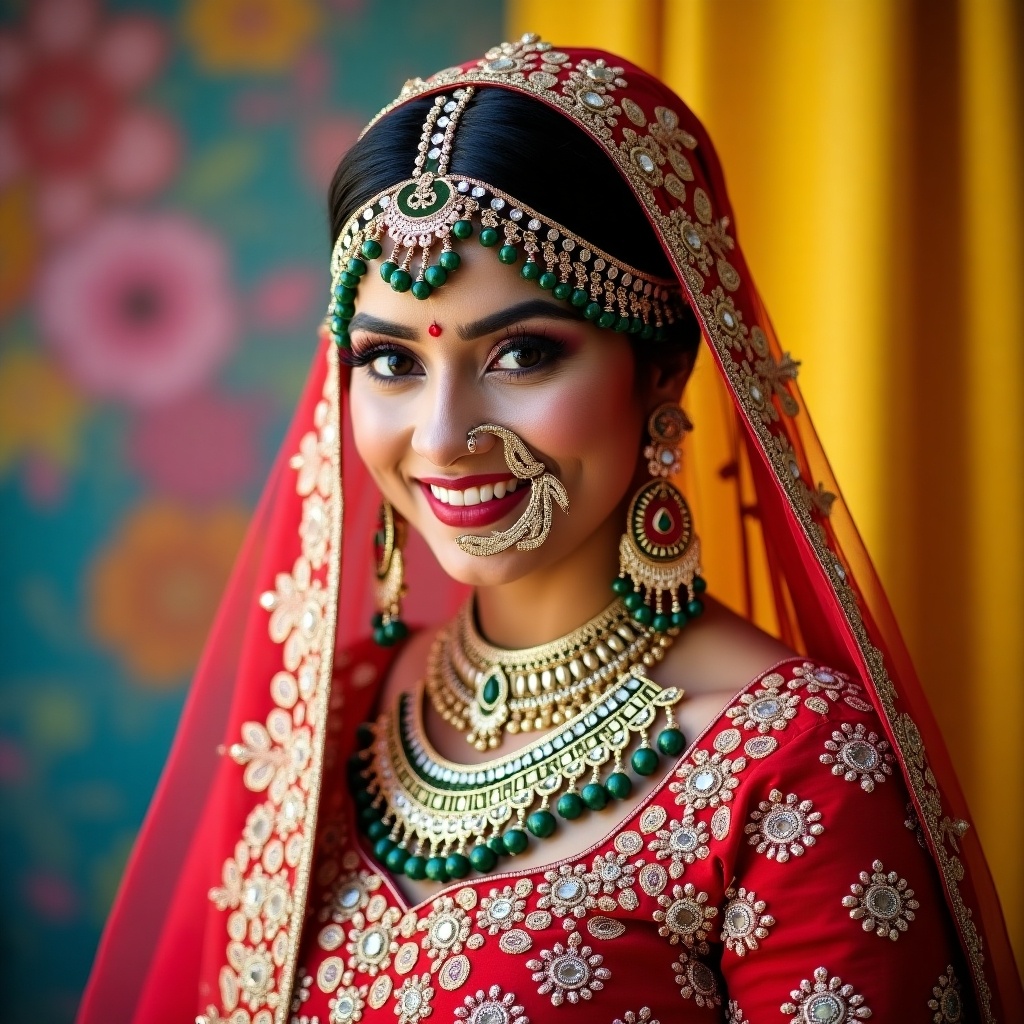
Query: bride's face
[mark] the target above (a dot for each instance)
(507, 353)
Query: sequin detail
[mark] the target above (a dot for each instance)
(858, 756)
(881, 902)
(744, 921)
(569, 972)
(782, 827)
(826, 1000)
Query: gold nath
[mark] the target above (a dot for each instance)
(489, 690)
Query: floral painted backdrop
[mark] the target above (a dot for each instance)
(163, 253)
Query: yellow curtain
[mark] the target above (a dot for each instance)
(874, 152)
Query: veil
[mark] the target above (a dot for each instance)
(210, 912)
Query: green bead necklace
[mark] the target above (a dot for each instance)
(431, 818)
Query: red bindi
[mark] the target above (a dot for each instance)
(434, 330)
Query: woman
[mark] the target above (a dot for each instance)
(528, 249)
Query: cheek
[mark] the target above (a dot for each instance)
(378, 433)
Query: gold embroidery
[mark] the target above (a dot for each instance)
(826, 998)
(629, 843)
(500, 910)
(696, 981)
(760, 746)
(735, 1014)
(947, 1003)
(454, 972)
(653, 879)
(348, 1005)
(721, 820)
(605, 928)
(727, 741)
(684, 917)
(572, 971)
(446, 929)
(568, 889)
(652, 819)
(783, 826)
(612, 874)
(406, 957)
(684, 841)
(881, 902)
(858, 756)
(538, 920)
(764, 710)
(349, 894)
(372, 944)
(744, 920)
(642, 1016)
(330, 974)
(412, 1000)
(515, 941)
(707, 782)
(492, 1008)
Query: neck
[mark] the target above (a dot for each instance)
(554, 600)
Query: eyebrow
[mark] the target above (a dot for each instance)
(478, 328)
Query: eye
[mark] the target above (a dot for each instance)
(393, 364)
(521, 357)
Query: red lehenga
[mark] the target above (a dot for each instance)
(809, 858)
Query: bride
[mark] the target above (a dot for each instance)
(589, 787)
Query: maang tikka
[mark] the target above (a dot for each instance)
(389, 571)
(531, 529)
(659, 577)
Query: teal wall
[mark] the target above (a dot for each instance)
(163, 254)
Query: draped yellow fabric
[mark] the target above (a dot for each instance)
(874, 153)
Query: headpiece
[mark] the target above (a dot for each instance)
(433, 209)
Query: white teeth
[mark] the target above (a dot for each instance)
(474, 495)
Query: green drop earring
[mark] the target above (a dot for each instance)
(659, 577)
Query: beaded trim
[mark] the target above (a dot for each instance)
(434, 208)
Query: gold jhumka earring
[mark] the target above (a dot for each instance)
(389, 570)
(531, 529)
(659, 577)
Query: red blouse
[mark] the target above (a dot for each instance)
(776, 874)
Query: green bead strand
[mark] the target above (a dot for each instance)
(591, 311)
(436, 869)
(387, 268)
(356, 266)
(562, 291)
(541, 824)
(400, 280)
(378, 830)
(530, 271)
(435, 276)
(699, 584)
(569, 806)
(619, 784)
(643, 615)
(482, 858)
(371, 249)
(548, 280)
(579, 298)
(463, 228)
(671, 742)
(644, 761)
(508, 254)
(420, 289)
(621, 586)
(595, 796)
(695, 608)
(489, 237)
(457, 865)
(661, 623)
(348, 280)
(622, 324)
(606, 319)
(515, 841)
(382, 848)
(396, 860)
(450, 260)
(497, 846)
(416, 868)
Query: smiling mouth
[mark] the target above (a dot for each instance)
(480, 501)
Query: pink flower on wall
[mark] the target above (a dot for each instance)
(201, 449)
(68, 122)
(140, 307)
(286, 298)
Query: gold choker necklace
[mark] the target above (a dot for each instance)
(489, 690)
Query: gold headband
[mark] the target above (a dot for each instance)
(434, 209)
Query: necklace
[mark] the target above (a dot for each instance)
(484, 690)
(433, 818)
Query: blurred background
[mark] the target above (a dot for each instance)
(163, 258)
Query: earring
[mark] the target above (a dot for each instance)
(389, 564)
(659, 577)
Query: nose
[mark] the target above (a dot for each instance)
(443, 422)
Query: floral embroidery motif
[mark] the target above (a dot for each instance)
(947, 1003)
(744, 921)
(765, 710)
(347, 1006)
(696, 981)
(412, 1000)
(492, 1008)
(818, 679)
(500, 911)
(684, 841)
(709, 781)
(858, 755)
(642, 1016)
(612, 873)
(372, 944)
(827, 1000)
(882, 902)
(572, 971)
(684, 917)
(568, 890)
(351, 893)
(783, 827)
(735, 1014)
(447, 928)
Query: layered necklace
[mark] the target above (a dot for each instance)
(432, 818)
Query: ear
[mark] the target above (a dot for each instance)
(664, 376)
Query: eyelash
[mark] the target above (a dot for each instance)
(551, 349)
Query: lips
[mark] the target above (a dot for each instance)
(473, 516)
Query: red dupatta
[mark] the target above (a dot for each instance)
(210, 913)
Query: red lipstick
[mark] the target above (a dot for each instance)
(473, 517)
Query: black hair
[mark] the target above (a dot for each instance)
(532, 152)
